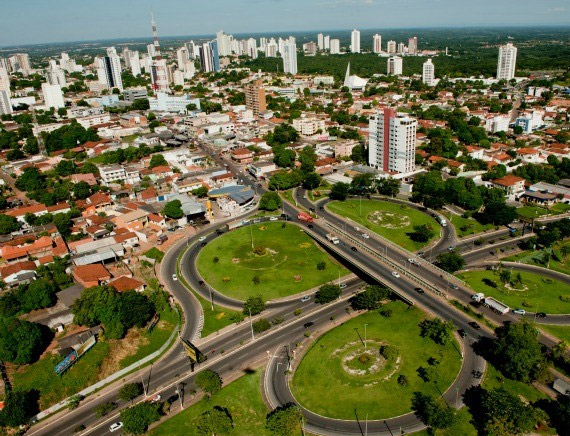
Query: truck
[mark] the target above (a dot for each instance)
(496, 305)
(234, 225)
(442, 221)
(478, 297)
(332, 238)
(303, 216)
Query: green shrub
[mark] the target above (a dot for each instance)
(261, 325)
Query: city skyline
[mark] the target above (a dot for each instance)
(237, 18)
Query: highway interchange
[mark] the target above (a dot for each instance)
(233, 350)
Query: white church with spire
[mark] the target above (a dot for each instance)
(354, 83)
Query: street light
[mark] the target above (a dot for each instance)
(365, 335)
(251, 325)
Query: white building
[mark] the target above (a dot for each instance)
(413, 45)
(497, 123)
(252, 48)
(5, 103)
(54, 74)
(327, 42)
(395, 65)
(164, 102)
(181, 57)
(4, 80)
(507, 62)
(117, 173)
(377, 44)
(355, 41)
(309, 126)
(290, 57)
(335, 46)
(321, 41)
(428, 73)
(391, 47)
(113, 70)
(392, 140)
(53, 97)
(135, 63)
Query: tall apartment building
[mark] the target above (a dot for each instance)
(413, 45)
(252, 48)
(271, 49)
(428, 73)
(53, 97)
(507, 62)
(209, 57)
(224, 43)
(54, 74)
(355, 41)
(113, 70)
(181, 57)
(5, 103)
(395, 65)
(20, 62)
(4, 80)
(135, 63)
(327, 42)
(290, 57)
(377, 44)
(321, 41)
(255, 97)
(335, 46)
(391, 47)
(310, 48)
(392, 140)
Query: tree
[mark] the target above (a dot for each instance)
(565, 251)
(370, 298)
(327, 293)
(136, 419)
(285, 180)
(21, 342)
(517, 353)
(312, 180)
(209, 381)
(39, 294)
(65, 168)
(214, 422)
(136, 309)
(261, 325)
(104, 408)
(284, 421)
(8, 224)
(357, 154)
(270, 201)
(432, 413)
(450, 261)
(130, 391)
(81, 190)
(422, 233)
(200, 192)
(388, 186)
(19, 407)
(157, 160)
(362, 184)
(437, 330)
(31, 179)
(307, 158)
(505, 276)
(253, 305)
(339, 191)
(173, 209)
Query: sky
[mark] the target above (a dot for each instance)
(44, 21)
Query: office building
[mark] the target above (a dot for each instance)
(335, 46)
(255, 97)
(113, 69)
(321, 41)
(20, 62)
(507, 62)
(355, 41)
(53, 97)
(428, 73)
(391, 47)
(413, 46)
(395, 65)
(209, 57)
(5, 103)
(392, 140)
(377, 44)
(290, 56)
(54, 74)
(327, 42)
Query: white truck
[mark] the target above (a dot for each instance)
(497, 306)
(478, 297)
(332, 238)
(442, 221)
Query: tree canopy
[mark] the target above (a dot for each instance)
(209, 381)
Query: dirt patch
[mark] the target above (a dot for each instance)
(389, 220)
(236, 260)
(297, 278)
(119, 349)
(305, 245)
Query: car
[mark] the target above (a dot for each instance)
(305, 298)
(321, 208)
(312, 209)
(475, 325)
(156, 398)
(421, 253)
(310, 226)
(173, 398)
(395, 274)
(519, 312)
(219, 232)
(342, 285)
(354, 248)
(451, 248)
(304, 197)
(462, 333)
(419, 290)
(203, 244)
(174, 277)
(201, 283)
(256, 220)
(246, 221)
(541, 315)
(172, 229)
(357, 228)
(115, 426)
(453, 286)
(273, 218)
(365, 235)
(308, 324)
(202, 238)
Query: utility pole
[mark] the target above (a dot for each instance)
(251, 326)
(365, 335)
(211, 296)
(251, 233)
(142, 380)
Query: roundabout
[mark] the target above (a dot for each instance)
(377, 379)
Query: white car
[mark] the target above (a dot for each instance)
(365, 235)
(342, 285)
(245, 221)
(357, 228)
(305, 298)
(156, 399)
(395, 274)
(116, 426)
(202, 238)
(519, 312)
(413, 261)
(174, 277)
(273, 218)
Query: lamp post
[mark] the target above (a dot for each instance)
(365, 335)
(251, 325)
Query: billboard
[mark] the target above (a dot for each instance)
(191, 351)
(69, 360)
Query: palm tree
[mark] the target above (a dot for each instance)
(518, 278)
(505, 276)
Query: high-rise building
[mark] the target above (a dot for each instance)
(392, 141)
(413, 45)
(20, 62)
(290, 56)
(321, 41)
(255, 97)
(401, 48)
(377, 44)
(126, 55)
(310, 48)
(507, 62)
(158, 72)
(224, 43)
(4, 80)
(428, 73)
(335, 46)
(53, 97)
(271, 49)
(54, 74)
(192, 49)
(113, 70)
(181, 57)
(150, 50)
(327, 42)
(209, 57)
(5, 103)
(391, 47)
(135, 63)
(67, 64)
(252, 48)
(395, 65)
(355, 41)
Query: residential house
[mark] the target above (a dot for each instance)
(91, 275)
(512, 185)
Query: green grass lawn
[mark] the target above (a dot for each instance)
(535, 257)
(391, 220)
(376, 393)
(542, 291)
(243, 400)
(217, 319)
(562, 332)
(462, 426)
(287, 195)
(155, 253)
(288, 265)
(494, 379)
(467, 226)
(312, 195)
(41, 375)
(560, 207)
(533, 211)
